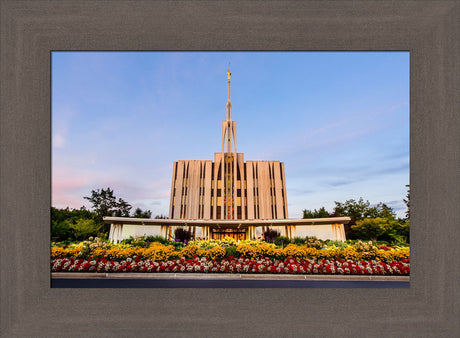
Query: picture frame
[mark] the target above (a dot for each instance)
(30, 30)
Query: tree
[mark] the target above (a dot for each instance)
(320, 213)
(83, 228)
(122, 209)
(382, 229)
(360, 210)
(381, 210)
(138, 213)
(60, 231)
(399, 231)
(355, 210)
(369, 228)
(105, 204)
(60, 215)
(61, 219)
(407, 201)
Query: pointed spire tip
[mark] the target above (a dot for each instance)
(229, 74)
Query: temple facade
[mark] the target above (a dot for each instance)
(228, 197)
(228, 188)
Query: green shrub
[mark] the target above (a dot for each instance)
(176, 244)
(83, 228)
(299, 240)
(60, 231)
(159, 239)
(382, 229)
(282, 241)
(399, 232)
(127, 240)
(370, 228)
(231, 251)
(338, 244)
(135, 241)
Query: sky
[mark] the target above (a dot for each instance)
(338, 120)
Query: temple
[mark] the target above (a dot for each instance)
(228, 197)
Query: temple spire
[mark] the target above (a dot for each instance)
(229, 104)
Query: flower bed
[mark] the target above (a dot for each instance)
(233, 265)
(219, 256)
(160, 252)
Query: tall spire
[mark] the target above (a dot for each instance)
(229, 104)
(228, 164)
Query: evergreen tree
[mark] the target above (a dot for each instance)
(138, 213)
(320, 213)
(407, 202)
(105, 204)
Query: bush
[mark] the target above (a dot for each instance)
(399, 232)
(299, 240)
(60, 231)
(135, 241)
(157, 238)
(360, 246)
(282, 241)
(338, 244)
(178, 246)
(84, 228)
(370, 228)
(182, 235)
(270, 234)
(314, 242)
(382, 229)
(231, 251)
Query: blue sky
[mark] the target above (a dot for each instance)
(338, 120)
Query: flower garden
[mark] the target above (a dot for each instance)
(302, 256)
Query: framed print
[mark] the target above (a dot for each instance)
(31, 30)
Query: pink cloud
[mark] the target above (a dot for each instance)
(66, 185)
(69, 185)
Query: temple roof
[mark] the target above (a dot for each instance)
(219, 223)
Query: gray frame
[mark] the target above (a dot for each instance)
(30, 29)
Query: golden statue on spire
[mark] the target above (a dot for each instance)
(228, 72)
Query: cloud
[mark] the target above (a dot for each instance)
(71, 183)
(58, 141)
(67, 184)
(325, 137)
(341, 182)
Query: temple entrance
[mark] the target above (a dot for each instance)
(238, 234)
